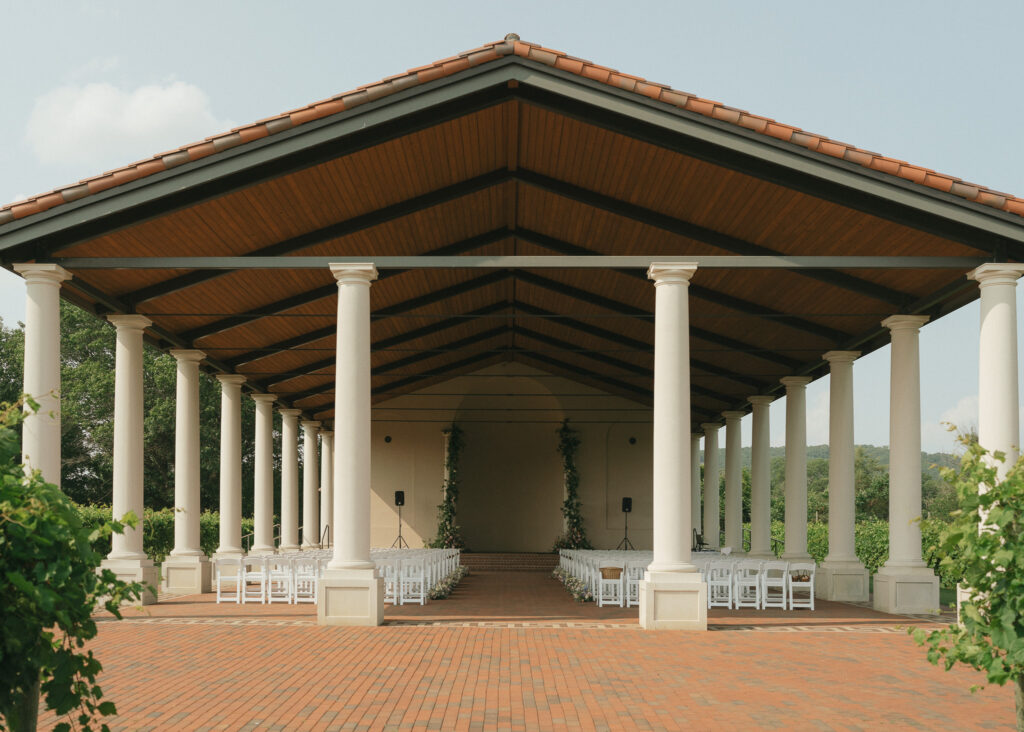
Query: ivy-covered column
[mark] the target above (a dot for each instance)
(574, 536)
(449, 535)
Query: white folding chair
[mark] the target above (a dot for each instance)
(609, 583)
(279, 580)
(634, 573)
(720, 584)
(388, 572)
(412, 581)
(254, 580)
(228, 570)
(304, 579)
(747, 584)
(774, 575)
(797, 583)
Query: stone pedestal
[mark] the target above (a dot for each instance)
(186, 575)
(841, 582)
(350, 597)
(673, 601)
(911, 591)
(136, 570)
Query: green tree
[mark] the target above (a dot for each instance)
(988, 533)
(871, 486)
(817, 490)
(49, 587)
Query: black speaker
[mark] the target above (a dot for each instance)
(627, 504)
(399, 498)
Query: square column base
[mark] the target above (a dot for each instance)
(136, 570)
(673, 601)
(906, 591)
(350, 597)
(188, 575)
(841, 582)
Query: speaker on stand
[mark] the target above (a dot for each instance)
(400, 543)
(627, 508)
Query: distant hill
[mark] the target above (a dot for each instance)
(930, 461)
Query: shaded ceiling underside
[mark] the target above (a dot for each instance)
(515, 171)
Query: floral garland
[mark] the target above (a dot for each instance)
(575, 536)
(444, 586)
(449, 535)
(573, 585)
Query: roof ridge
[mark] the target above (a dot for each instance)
(511, 45)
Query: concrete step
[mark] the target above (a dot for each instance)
(509, 561)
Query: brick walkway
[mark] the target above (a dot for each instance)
(513, 651)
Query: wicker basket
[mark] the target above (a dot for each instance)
(611, 572)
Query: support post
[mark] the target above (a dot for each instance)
(695, 507)
(733, 481)
(905, 584)
(672, 594)
(326, 487)
(350, 592)
(127, 559)
(841, 576)
(263, 476)
(187, 569)
(230, 465)
(310, 494)
(760, 480)
(290, 479)
(796, 468)
(40, 432)
(712, 500)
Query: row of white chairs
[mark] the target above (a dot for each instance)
(291, 578)
(752, 583)
(625, 569)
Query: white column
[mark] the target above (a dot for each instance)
(760, 480)
(672, 595)
(310, 494)
(733, 481)
(127, 558)
(187, 569)
(905, 584)
(998, 386)
(230, 465)
(263, 476)
(290, 479)
(327, 486)
(842, 576)
(695, 507)
(712, 502)
(40, 432)
(796, 467)
(350, 593)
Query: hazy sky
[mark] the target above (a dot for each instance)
(89, 86)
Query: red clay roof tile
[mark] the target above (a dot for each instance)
(489, 52)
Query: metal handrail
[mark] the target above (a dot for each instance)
(326, 532)
(252, 535)
(777, 545)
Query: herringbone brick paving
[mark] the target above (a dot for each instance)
(493, 657)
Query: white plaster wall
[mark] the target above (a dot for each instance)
(511, 487)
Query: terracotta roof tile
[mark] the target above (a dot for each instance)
(512, 44)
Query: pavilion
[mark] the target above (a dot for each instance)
(645, 262)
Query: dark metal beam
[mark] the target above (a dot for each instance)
(411, 304)
(624, 309)
(320, 293)
(578, 370)
(696, 291)
(330, 232)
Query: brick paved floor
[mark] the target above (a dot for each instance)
(189, 664)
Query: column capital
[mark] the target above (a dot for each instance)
(733, 414)
(761, 400)
(311, 424)
(710, 427)
(905, 322)
(329, 434)
(264, 398)
(231, 379)
(350, 273)
(996, 273)
(42, 272)
(289, 412)
(671, 273)
(131, 322)
(795, 382)
(187, 354)
(841, 356)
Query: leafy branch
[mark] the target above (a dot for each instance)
(449, 535)
(575, 536)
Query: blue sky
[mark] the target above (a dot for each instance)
(91, 85)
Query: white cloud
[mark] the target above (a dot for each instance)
(95, 67)
(935, 436)
(101, 125)
(17, 198)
